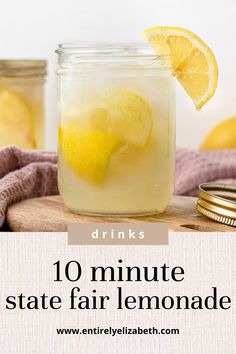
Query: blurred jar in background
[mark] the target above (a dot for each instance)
(22, 103)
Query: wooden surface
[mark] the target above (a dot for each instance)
(50, 214)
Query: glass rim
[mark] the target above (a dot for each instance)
(116, 50)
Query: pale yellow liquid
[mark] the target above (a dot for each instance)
(136, 183)
(31, 90)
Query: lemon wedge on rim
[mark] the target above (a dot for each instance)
(192, 61)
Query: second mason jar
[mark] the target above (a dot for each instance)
(117, 130)
(22, 103)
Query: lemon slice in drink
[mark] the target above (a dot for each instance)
(87, 152)
(192, 61)
(16, 121)
(129, 117)
(90, 141)
(124, 114)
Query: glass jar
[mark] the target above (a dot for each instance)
(22, 103)
(116, 131)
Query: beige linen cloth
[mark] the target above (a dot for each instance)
(25, 174)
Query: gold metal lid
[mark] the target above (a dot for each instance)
(23, 68)
(218, 202)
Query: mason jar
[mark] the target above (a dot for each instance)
(22, 103)
(116, 131)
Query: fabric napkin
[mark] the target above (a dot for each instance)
(194, 167)
(25, 174)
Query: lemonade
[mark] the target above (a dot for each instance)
(117, 119)
(22, 103)
(116, 132)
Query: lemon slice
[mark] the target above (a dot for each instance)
(87, 152)
(16, 121)
(124, 114)
(192, 61)
(128, 117)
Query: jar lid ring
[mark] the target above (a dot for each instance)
(217, 201)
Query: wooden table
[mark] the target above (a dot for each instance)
(50, 214)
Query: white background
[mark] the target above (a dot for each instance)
(32, 29)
